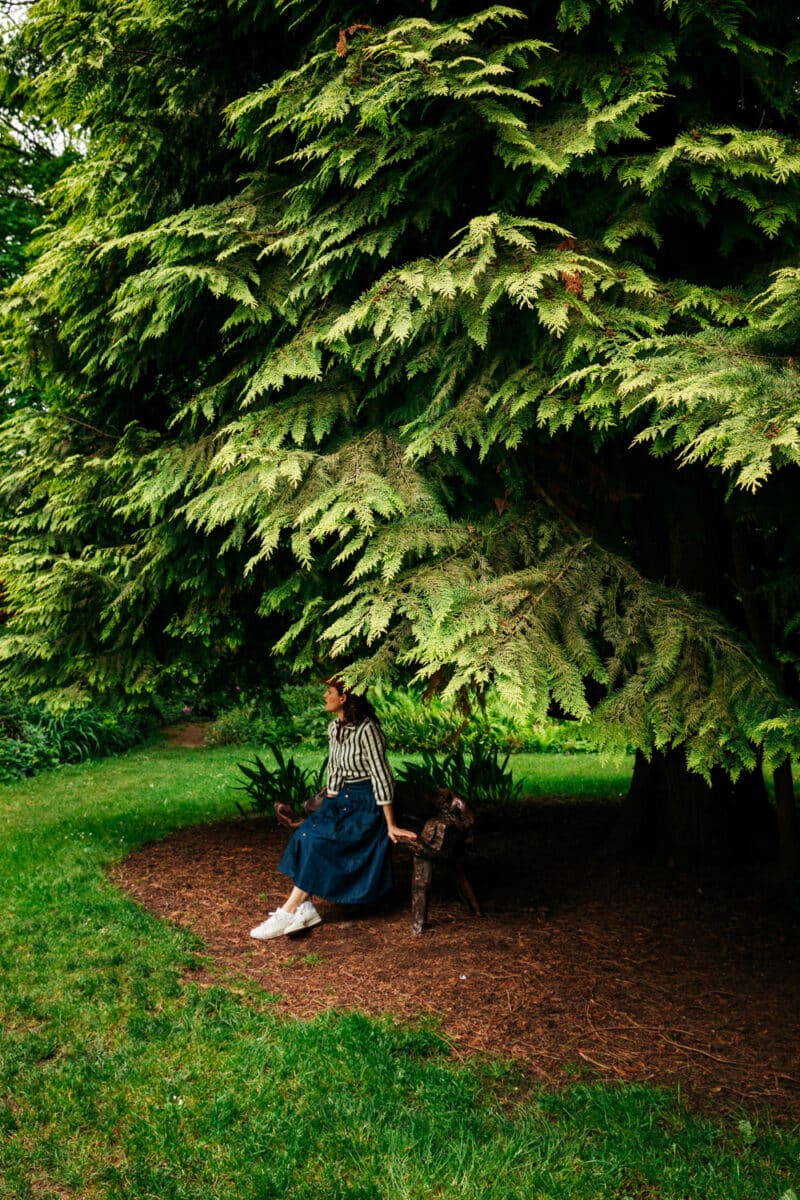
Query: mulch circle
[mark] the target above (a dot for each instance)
(578, 966)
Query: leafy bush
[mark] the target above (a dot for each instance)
(477, 773)
(285, 782)
(81, 733)
(415, 725)
(302, 712)
(236, 727)
(295, 716)
(292, 717)
(33, 738)
(20, 757)
(12, 717)
(549, 737)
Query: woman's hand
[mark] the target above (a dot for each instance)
(396, 834)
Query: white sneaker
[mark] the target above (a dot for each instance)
(305, 917)
(276, 924)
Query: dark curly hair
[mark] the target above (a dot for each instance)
(356, 708)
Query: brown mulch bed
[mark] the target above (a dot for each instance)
(629, 972)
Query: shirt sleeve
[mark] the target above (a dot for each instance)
(373, 745)
(334, 762)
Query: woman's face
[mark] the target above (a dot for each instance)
(334, 700)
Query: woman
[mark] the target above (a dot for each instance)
(341, 852)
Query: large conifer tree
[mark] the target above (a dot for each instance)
(454, 341)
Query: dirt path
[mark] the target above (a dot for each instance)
(187, 735)
(630, 973)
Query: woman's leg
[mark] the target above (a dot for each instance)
(294, 900)
(287, 918)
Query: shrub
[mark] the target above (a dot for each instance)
(12, 717)
(294, 716)
(548, 737)
(286, 782)
(34, 738)
(233, 728)
(20, 757)
(300, 708)
(415, 725)
(81, 733)
(477, 774)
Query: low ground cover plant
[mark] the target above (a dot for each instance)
(286, 782)
(416, 725)
(478, 773)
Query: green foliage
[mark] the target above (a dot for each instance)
(33, 155)
(285, 782)
(33, 738)
(236, 726)
(26, 171)
(300, 717)
(412, 724)
(476, 774)
(358, 340)
(80, 734)
(292, 715)
(26, 755)
(295, 718)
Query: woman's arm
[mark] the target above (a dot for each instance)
(396, 834)
(374, 746)
(373, 749)
(334, 781)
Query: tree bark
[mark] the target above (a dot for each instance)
(786, 810)
(758, 627)
(674, 814)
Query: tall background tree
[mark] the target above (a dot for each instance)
(434, 340)
(33, 153)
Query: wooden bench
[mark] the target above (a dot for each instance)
(442, 820)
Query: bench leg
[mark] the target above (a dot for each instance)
(465, 890)
(420, 891)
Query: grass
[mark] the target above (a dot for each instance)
(568, 776)
(121, 1078)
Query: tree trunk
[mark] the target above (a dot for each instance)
(786, 810)
(758, 626)
(675, 815)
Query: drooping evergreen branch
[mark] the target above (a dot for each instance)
(339, 309)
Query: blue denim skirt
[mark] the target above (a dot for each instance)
(342, 851)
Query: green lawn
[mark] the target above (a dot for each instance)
(122, 1079)
(571, 775)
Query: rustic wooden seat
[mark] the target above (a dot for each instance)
(447, 822)
(444, 820)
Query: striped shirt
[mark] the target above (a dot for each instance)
(359, 752)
